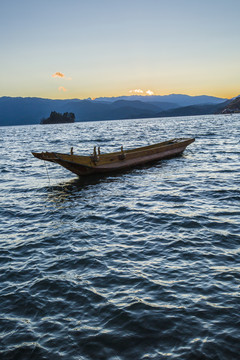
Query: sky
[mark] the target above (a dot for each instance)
(62, 49)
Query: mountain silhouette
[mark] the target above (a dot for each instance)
(232, 107)
(24, 111)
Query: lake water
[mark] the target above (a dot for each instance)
(142, 264)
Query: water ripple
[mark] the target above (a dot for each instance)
(143, 264)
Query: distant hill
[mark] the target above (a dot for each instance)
(173, 100)
(19, 111)
(194, 110)
(232, 107)
(24, 111)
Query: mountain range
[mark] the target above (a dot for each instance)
(233, 107)
(28, 110)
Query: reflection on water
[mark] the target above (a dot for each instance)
(73, 187)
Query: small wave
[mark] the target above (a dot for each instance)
(141, 264)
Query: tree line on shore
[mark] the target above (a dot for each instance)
(58, 118)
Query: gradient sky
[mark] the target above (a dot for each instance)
(89, 48)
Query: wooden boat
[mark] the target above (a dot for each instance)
(98, 163)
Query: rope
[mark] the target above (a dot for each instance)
(47, 173)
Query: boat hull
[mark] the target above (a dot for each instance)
(83, 165)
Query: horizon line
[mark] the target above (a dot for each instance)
(118, 96)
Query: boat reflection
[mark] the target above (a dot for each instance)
(81, 187)
(91, 185)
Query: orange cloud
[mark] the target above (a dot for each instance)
(58, 74)
(62, 88)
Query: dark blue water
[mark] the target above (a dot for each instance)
(138, 265)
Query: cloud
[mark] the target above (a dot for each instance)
(58, 74)
(62, 88)
(140, 91)
(136, 91)
(149, 92)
